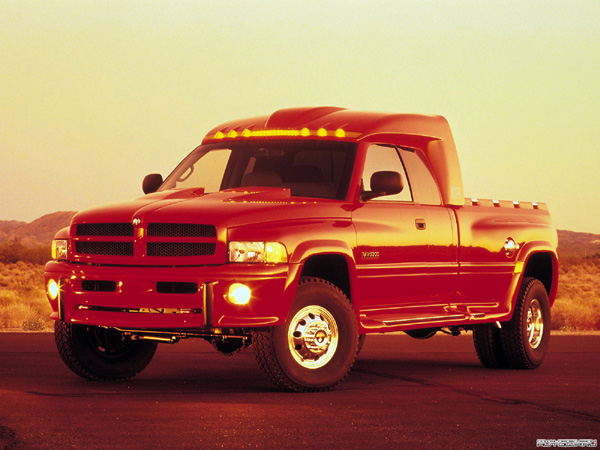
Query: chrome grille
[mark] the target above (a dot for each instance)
(181, 230)
(180, 249)
(150, 243)
(105, 248)
(104, 229)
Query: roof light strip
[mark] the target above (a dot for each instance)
(304, 132)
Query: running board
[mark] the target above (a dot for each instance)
(432, 319)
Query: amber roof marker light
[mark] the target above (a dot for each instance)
(339, 133)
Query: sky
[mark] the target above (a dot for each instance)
(94, 95)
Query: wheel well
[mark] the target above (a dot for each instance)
(539, 265)
(333, 268)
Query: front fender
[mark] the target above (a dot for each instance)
(62, 233)
(320, 247)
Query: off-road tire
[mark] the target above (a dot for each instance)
(489, 346)
(526, 349)
(86, 351)
(279, 350)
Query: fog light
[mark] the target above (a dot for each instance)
(52, 289)
(239, 294)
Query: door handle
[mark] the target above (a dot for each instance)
(421, 224)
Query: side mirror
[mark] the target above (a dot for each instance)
(152, 182)
(384, 183)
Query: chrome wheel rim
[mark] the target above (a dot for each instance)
(313, 337)
(535, 324)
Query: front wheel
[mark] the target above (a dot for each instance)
(97, 353)
(315, 348)
(525, 337)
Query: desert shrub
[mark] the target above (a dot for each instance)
(8, 298)
(577, 305)
(14, 251)
(23, 302)
(13, 315)
(35, 322)
(569, 315)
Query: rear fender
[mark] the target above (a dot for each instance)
(536, 259)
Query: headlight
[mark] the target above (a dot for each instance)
(257, 252)
(60, 249)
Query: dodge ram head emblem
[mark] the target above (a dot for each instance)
(136, 221)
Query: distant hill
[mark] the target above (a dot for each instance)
(7, 226)
(42, 230)
(571, 243)
(39, 232)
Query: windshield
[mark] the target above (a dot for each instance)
(307, 168)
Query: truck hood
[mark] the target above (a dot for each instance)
(229, 208)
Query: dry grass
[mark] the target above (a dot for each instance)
(23, 301)
(577, 305)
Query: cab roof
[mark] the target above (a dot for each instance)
(332, 122)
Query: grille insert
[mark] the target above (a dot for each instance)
(105, 248)
(167, 287)
(180, 249)
(104, 229)
(181, 230)
(99, 285)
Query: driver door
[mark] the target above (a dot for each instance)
(392, 249)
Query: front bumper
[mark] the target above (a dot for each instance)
(132, 297)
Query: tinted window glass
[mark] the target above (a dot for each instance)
(424, 187)
(308, 168)
(385, 158)
(209, 174)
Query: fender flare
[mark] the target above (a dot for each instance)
(523, 268)
(321, 247)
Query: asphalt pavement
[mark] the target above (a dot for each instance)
(402, 393)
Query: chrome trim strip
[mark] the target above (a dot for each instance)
(421, 319)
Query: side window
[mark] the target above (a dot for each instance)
(380, 158)
(425, 189)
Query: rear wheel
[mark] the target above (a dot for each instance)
(489, 347)
(526, 336)
(315, 348)
(361, 341)
(97, 353)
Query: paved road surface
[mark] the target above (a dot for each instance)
(402, 393)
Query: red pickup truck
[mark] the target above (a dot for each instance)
(299, 233)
